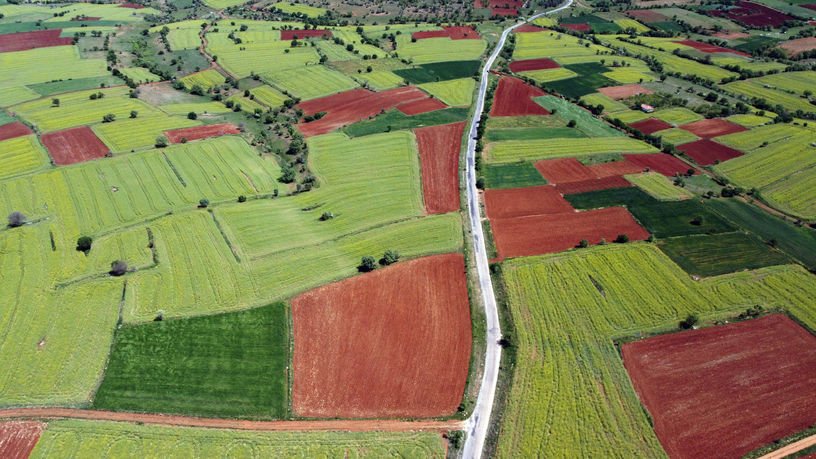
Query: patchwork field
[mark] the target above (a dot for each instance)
(18, 438)
(513, 150)
(439, 149)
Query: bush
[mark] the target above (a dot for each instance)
(192, 116)
(571, 124)
(84, 244)
(242, 198)
(389, 257)
(622, 239)
(203, 203)
(118, 268)
(161, 141)
(583, 244)
(326, 216)
(16, 219)
(367, 264)
(689, 322)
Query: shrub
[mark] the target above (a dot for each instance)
(689, 322)
(242, 198)
(84, 244)
(571, 124)
(583, 244)
(326, 216)
(203, 203)
(16, 219)
(389, 257)
(192, 116)
(134, 114)
(367, 264)
(161, 141)
(118, 268)
(622, 239)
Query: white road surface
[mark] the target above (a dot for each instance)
(479, 421)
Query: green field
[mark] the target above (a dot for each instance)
(127, 134)
(553, 45)
(262, 52)
(513, 175)
(673, 63)
(659, 186)
(585, 122)
(676, 136)
(121, 440)
(310, 82)
(186, 38)
(454, 93)
(139, 75)
(221, 4)
(225, 366)
(757, 88)
(549, 75)
(56, 87)
(298, 8)
(440, 71)
(21, 155)
(183, 108)
(439, 49)
(206, 79)
(591, 76)
(268, 96)
(717, 254)
(394, 120)
(567, 366)
(514, 150)
(498, 135)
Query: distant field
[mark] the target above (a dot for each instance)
(126, 134)
(21, 155)
(713, 255)
(454, 93)
(310, 82)
(140, 75)
(759, 89)
(659, 186)
(514, 150)
(206, 79)
(512, 175)
(395, 120)
(298, 8)
(674, 63)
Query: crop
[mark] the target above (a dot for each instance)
(552, 45)
(439, 49)
(756, 88)
(310, 82)
(512, 175)
(140, 75)
(269, 55)
(186, 38)
(626, 23)
(21, 155)
(673, 63)
(585, 122)
(454, 93)
(298, 8)
(659, 186)
(677, 115)
(514, 150)
(716, 254)
(769, 164)
(127, 134)
(205, 79)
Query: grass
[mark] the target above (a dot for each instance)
(21, 155)
(755, 88)
(224, 366)
(514, 175)
(454, 93)
(310, 82)
(749, 120)
(610, 105)
(659, 187)
(550, 75)
(430, 50)
(98, 438)
(794, 196)
(56, 87)
(626, 24)
(514, 150)
(186, 38)
(626, 75)
(268, 96)
(568, 366)
(140, 75)
(585, 122)
(261, 57)
(673, 63)
(440, 71)
(677, 115)
(206, 79)
(553, 45)
(183, 108)
(717, 254)
(676, 136)
(393, 120)
(498, 135)
(127, 134)
(301, 9)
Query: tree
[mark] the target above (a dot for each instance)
(134, 114)
(689, 322)
(203, 203)
(367, 264)
(192, 116)
(55, 102)
(118, 268)
(622, 239)
(242, 198)
(84, 244)
(697, 221)
(326, 216)
(571, 124)
(583, 244)
(109, 118)
(16, 219)
(389, 257)
(161, 141)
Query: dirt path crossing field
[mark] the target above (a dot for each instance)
(786, 451)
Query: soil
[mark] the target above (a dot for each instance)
(454, 33)
(533, 64)
(585, 186)
(580, 27)
(421, 106)
(624, 91)
(800, 45)
(706, 152)
(520, 202)
(18, 438)
(514, 97)
(528, 28)
(288, 35)
(392, 343)
(21, 41)
(201, 132)
(439, 148)
(716, 127)
(562, 170)
(614, 168)
(13, 130)
(721, 392)
(74, 145)
(731, 35)
(709, 48)
(662, 163)
(647, 16)
(650, 125)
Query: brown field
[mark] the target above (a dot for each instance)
(706, 129)
(514, 97)
(201, 132)
(439, 148)
(723, 391)
(707, 152)
(624, 91)
(22, 41)
(663, 163)
(800, 45)
(650, 125)
(562, 170)
(74, 145)
(12, 130)
(392, 343)
(647, 16)
(18, 438)
(519, 202)
(583, 186)
(417, 107)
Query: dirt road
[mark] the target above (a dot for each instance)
(792, 448)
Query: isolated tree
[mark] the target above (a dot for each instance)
(192, 116)
(203, 203)
(583, 244)
(134, 114)
(118, 268)
(571, 124)
(109, 118)
(16, 219)
(84, 244)
(326, 216)
(161, 141)
(689, 322)
(622, 239)
(367, 264)
(55, 102)
(389, 257)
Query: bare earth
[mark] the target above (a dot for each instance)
(786, 451)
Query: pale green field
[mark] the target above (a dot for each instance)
(140, 75)
(677, 136)
(221, 4)
(268, 96)
(677, 115)
(659, 186)
(15, 95)
(795, 195)
(182, 109)
(553, 45)
(269, 55)
(748, 120)
(180, 25)
(749, 140)
(674, 63)
(547, 75)
(206, 79)
(454, 93)
(298, 8)
(310, 82)
(630, 116)
(107, 12)
(610, 105)
(747, 64)
(72, 438)
(439, 49)
(756, 87)
(21, 155)
(184, 39)
(128, 134)
(378, 80)
(516, 150)
(335, 52)
(626, 23)
(545, 22)
(628, 75)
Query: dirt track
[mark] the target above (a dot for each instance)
(786, 451)
(271, 426)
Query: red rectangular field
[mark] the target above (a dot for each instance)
(663, 163)
(201, 132)
(300, 34)
(580, 27)
(721, 392)
(520, 202)
(539, 234)
(533, 64)
(647, 15)
(562, 170)
(439, 148)
(420, 106)
(706, 152)
(12, 130)
(74, 145)
(650, 125)
(709, 48)
(624, 91)
(21, 41)
(753, 14)
(452, 32)
(529, 28)
(391, 343)
(18, 438)
(716, 127)
(584, 186)
(800, 45)
(514, 97)
(614, 168)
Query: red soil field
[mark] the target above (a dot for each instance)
(22, 41)
(539, 234)
(528, 28)
(614, 168)
(571, 176)
(723, 391)
(453, 32)
(731, 35)
(352, 106)
(392, 343)
(134, 6)
(709, 48)
(201, 132)
(439, 148)
(581, 27)
(12, 130)
(624, 91)
(584, 186)
(650, 125)
(561, 170)
(533, 64)
(311, 33)
(514, 97)
(753, 14)
(417, 107)
(706, 152)
(647, 15)
(662, 163)
(74, 145)
(520, 202)
(18, 438)
(800, 45)
(716, 127)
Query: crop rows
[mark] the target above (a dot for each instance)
(659, 186)
(21, 155)
(127, 134)
(672, 63)
(310, 82)
(514, 150)
(454, 93)
(439, 49)
(756, 88)
(205, 79)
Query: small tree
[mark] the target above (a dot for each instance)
(583, 244)
(55, 102)
(689, 322)
(16, 219)
(118, 268)
(203, 203)
(389, 257)
(192, 116)
(697, 221)
(242, 198)
(571, 124)
(367, 264)
(622, 239)
(84, 244)
(134, 114)
(161, 141)
(109, 118)
(326, 216)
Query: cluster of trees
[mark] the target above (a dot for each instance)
(369, 263)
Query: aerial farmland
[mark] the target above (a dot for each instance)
(318, 228)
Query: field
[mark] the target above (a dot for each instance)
(713, 255)
(512, 175)
(686, 380)
(756, 88)
(673, 63)
(439, 49)
(623, 91)
(677, 115)
(659, 187)
(297, 8)
(310, 82)
(201, 132)
(74, 145)
(710, 128)
(342, 369)
(515, 150)
(520, 202)
(439, 148)
(206, 79)
(268, 96)
(455, 93)
(186, 38)
(533, 64)
(29, 40)
(10, 129)
(128, 134)
(140, 75)
(418, 107)
(18, 438)
(794, 47)
(650, 125)
(224, 366)
(567, 366)
(513, 97)
(584, 121)
(21, 155)
(71, 438)
(667, 165)
(554, 46)
(707, 152)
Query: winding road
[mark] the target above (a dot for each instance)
(479, 421)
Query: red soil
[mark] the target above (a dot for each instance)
(647, 15)
(18, 438)
(570, 176)
(520, 202)
(453, 32)
(800, 45)
(562, 170)
(810, 6)
(134, 6)
(12, 130)
(753, 14)
(201, 132)
(300, 34)
(731, 35)
(439, 148)
(706, 152)
(514, 97)
(716, 127)
(29, 40)
(74, 145)
(662, 163)
(539, 234)
(528, 28)
(709, 48)
(504, 11)
(352, 106)
(533, 64)
(417, 107)
(584, 186)
(650, 125)
(723, 391)
(392, 343)
(581, 27)
(614, 168)
(624, 91)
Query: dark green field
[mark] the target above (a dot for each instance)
(661, 218)
(440, 71)
(495, 135)
(513, 175)
(712, 255)
(228, 365)
(754, 43)
(56, 87)
(667, 26)
(14, 27)
(395, 120)
(589, 79)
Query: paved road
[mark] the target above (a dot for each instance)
(479, 421)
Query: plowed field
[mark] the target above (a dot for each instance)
(421, 106)
(584, 186)
(624, 91)
(721, 392)
(800, 45)
(706, 152)
(29, 40)
(18, 438)
(454, 33)
(439, 148)
(520, 202)
(533, 64)
(562, 170)
(392, 343)
(665, 164)
(709, 48)
(74, 145)
(571, 176)
(514, 97)
(707, 129)
(201, 132)
(650, 125)
(12, 130)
